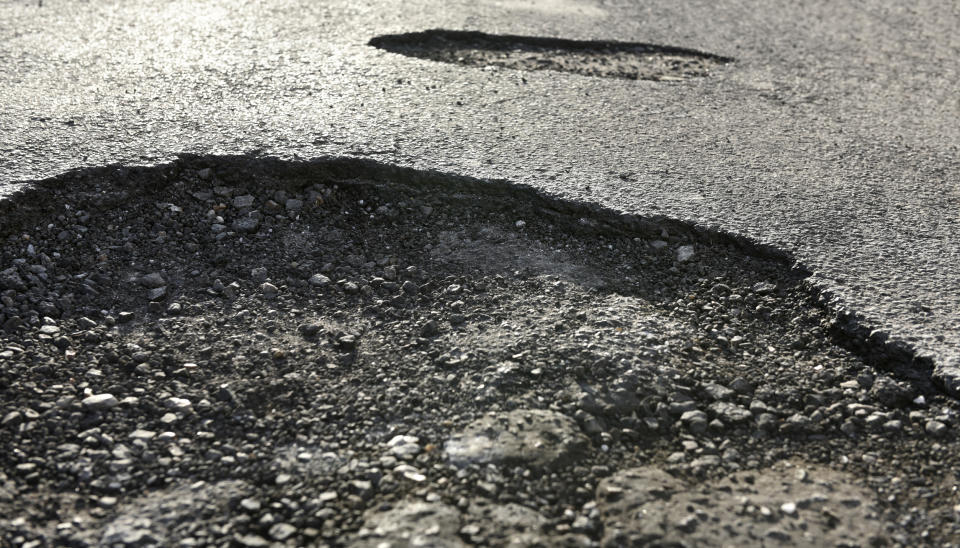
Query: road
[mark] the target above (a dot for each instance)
(833, 136)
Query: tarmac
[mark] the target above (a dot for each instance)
(833, 136)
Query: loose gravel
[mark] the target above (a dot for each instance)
(624, 60)
(241, 352)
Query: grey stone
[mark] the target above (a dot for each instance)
(258, 274)
(248, 224)
(100, 402)
(730, 413)
(319, 280)
(10, 279)
(647, 506)
(157, 293)
(695, 420)
(411, 523)
(530, 437)
(12, 419)
(269, 290)
(282, 531)
(936, 428)
(889, 393)
(241, 202)
(718, 392)
(153, 280)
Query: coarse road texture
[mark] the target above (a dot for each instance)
(834, 134)
(237, 352)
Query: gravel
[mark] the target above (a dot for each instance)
(363, 356)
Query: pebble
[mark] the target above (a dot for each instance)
(153, 280)
(12, 419)
(259, 274)
(282, 531)
(179, 404)
(685, 253)
(241, 202)
(157, 293)
(936, 428)
(404, 446)
(100, 402)
(319, 280)
(269, 290)
(252, 541)
(696, 421)
(247, 224)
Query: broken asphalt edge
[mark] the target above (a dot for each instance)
(851, 329)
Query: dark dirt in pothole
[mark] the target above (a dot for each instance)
(230, 351)
(632, 61)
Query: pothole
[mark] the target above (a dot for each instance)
(607, 59)
(347, 352)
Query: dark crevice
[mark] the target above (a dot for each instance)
(600, 58)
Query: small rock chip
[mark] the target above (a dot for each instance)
(430, 329)
(251, 541)
(100, 402)
(259, 274)
(936, 428)
(157, 293)
(319, 280)
(250, 505)
(248, 224)
(269, 290)
(685, 253)
(153, 280)
(241, 202)
(282, 531)
(12, 419)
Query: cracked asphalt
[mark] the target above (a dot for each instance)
(833, 135)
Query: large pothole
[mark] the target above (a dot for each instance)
(345, 352)
(608, 59)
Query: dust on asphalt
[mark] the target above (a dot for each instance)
(256, 353)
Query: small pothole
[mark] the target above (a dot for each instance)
(352, 340)
(607, 59)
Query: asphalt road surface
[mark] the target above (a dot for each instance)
(833, 136)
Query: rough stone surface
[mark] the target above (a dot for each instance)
(647, 506)
(411, 523)
(544, 358)
(526, 437)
